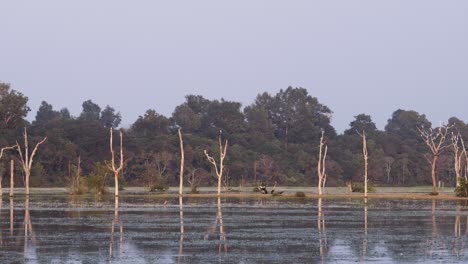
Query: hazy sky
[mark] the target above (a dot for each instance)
(356, 57)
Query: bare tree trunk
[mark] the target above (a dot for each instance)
(321, 165)
(466, 159)
(113, 167)
(1, 155)
(12, 176)
(222, 155)
(433, 173)
(27, 159)
(458, 155)
(349, 185)
(182, 161)
(365, 154)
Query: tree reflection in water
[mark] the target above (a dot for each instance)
(181, 216)
(116, 222)
(459, 239)
(364, 241)
(219, 223)
(12, 215)
(29, 234)
(323, 243)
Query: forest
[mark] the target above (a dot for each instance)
(275, 139)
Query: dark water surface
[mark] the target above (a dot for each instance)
(60, 229)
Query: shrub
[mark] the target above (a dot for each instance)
(359, 188)
(462, 189)
(159, 187)
(300, 194)
(97, 179)
(194, 189)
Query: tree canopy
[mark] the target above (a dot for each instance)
(276, 138)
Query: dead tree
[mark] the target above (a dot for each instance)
(1, 155)
(321, 164)
(388, 167)
(458, 155)
(74, 176)
(115, 169)
(182, 160)
(12, 176)
(27, 159)
(466, 160)
(222, 154)
(366, 157)
(435, 140)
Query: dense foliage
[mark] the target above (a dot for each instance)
(274, 139)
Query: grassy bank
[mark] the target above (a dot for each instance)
(419, 192)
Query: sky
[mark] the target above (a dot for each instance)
(355, 56)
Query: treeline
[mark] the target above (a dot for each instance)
(274, 139)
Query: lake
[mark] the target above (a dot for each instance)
(148, 229)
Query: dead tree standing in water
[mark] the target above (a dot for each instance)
(1, 155)
(321, 165)
(182, 160)
(113, 167)
(27, 159)
(435, 140)
(222, 155)
(458, 155)
(366, 157)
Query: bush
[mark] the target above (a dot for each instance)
(75, 183)
(462, 189)
(300, 194)
(359, 188)
(194, 189)
(97, 179)
(159, 187)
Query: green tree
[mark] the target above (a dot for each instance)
(404, 144)
(91, 111)
(46, 114)
(186, 118)
(13, 107)
(109, 118)
(361, 122)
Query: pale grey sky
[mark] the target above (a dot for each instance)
(355, 56)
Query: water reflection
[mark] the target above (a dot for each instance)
(116, 223)
(1, 219)
(403, 231)
(222, 244)
(364, 241)
(30, 240)
(323, 243)
(181, 218)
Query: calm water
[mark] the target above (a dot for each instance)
(210, 230)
